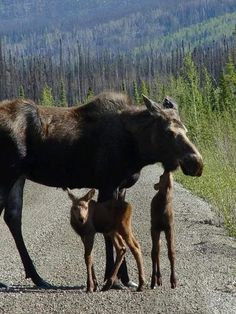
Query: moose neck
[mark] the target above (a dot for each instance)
(139, 125)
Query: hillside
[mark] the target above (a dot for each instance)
(36, 27)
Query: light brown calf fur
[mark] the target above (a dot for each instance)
(112, 218)
(162, 219)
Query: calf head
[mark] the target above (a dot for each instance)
(80, 206)
(165, 182)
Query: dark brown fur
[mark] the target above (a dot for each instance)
(112, 218)
(103, 144)
(162, 219)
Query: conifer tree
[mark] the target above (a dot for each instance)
(144, 88)
(62, 96)
(21, 93)
(136, 93)
(89, 95)
(227, 94)
(47, 97)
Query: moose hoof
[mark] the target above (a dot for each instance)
(42, 284)
(130, 284)
(3, 286)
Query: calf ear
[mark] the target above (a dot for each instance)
(71, 195)
(90, 195)
(168, 103)
(151, 105)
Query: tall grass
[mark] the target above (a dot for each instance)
(218, 182)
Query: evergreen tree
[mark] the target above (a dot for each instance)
(21, 93)
(144, 88)
(136, 93)
(227, 87)
(89, 95)
(123, 86)
(62, 96)
(47, 97)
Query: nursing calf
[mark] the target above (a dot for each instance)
(162, 219)
(112, 218)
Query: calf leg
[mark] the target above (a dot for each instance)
(171, 255)
(12, 217)
(136, 251)
(156, 244)
(88, 247)
(105, 195)
(119, 245)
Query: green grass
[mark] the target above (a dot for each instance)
(217, 185)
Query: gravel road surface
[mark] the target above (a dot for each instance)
(205, 265)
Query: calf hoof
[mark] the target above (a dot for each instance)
(159, 281)
(90, 290)
(140, 288)
(173, 284)
(109, 284)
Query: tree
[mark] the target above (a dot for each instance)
(136, 93)
(47, 97)
(227, 93)
(144, 88)
(89, 95)
(62, 96)
(21, 92)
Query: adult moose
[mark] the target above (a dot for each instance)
(103, 144)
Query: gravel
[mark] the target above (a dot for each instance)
(205, 265)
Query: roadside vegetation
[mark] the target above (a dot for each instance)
(209, 113)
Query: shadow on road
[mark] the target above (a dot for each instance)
(30, 289)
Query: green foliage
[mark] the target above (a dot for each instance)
(21, 93)
(90, 95)
(213, 127)
(47, 97)
(136, 93)
(144, 88)
(227, 94)
(62, 95)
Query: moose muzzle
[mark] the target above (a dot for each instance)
(192, 165)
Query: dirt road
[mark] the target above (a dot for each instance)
(206, 259)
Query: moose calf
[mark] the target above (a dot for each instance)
(112, 218)
(162, 219)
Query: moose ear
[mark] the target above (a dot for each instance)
(90, 195)
(168, 103)
(71, 195)
(151, 105)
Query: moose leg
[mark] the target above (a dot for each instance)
(12, 217)
(156, 274)
(171, 255)
(2, 200)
